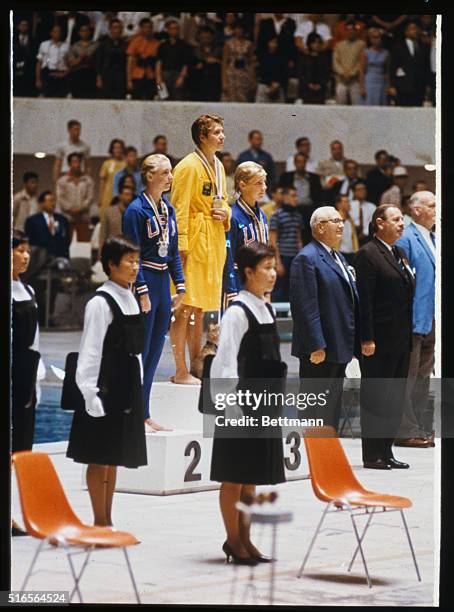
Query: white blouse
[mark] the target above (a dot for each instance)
(98, 316)
(20, 294)
(234, 325)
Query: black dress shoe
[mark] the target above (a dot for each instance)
(233, 558)
(397, 465)
(380, 464)
(263, 558)
(16, 531)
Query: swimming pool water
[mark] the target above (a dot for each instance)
(52, 424)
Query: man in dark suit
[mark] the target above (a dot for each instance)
(325, 311)
(386, 286)
(379, 179)
(48, 233)
(346, 185)
(308, 189)
(47, 229)
(283, 28)
(24, 60)
(410, 68)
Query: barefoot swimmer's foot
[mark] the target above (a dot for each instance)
(155, 426)
(188, 379)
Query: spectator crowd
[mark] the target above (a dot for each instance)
(230, 57)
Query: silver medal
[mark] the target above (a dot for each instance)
(162, 251)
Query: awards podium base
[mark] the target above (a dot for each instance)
(179, 460)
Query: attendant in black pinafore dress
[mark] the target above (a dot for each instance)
(110, 431)
(248, 349)
(24, 353)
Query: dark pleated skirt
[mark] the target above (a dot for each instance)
(251, 460)
(115, 439)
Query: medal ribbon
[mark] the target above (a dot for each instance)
(163, 229)
(217, 176)
(258, 221)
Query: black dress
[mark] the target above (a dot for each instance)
(118, 438)
(24, 370)
(254, 459)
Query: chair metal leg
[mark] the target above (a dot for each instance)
(79, 577)
(32, 565)
(361, 539)
(355, 529)
(131, 575)
(411, 545)
(76, 579)
(313, 540)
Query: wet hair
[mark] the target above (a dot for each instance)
(72, 123)
(247, 171)
(113, 250)
(74, 154)
(151, 163)
(114, 142)
(379, 213)
(249, 256)
(202, 126)
(42, 196)
(28, 176)
(19, 237)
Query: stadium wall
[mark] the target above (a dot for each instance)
(408, 133)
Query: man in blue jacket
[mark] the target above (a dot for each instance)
(325, 310)
(418, 243)
(256, 154)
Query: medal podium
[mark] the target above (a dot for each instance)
(179, 460)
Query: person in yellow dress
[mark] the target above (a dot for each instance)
(108, 170)
(199, 195)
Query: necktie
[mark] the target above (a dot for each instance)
(398, 258)
(51, 226)
(338, 261)
(432, 237)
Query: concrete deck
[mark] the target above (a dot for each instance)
(179, 559)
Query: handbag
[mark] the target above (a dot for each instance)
(71, 396)
(206, 405)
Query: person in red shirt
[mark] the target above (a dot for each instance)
(142, 52)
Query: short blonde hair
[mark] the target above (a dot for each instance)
(151, 163)
(247, 171)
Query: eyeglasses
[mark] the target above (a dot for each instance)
(337, 221)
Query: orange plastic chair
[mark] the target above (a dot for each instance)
(48, 516)
(334, 482)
